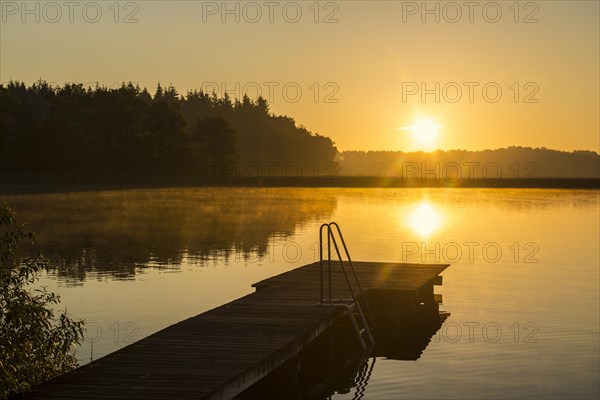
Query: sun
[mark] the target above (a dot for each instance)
(424, 132)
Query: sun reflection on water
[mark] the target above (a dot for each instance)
(424, 219)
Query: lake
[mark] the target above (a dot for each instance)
(522, 290)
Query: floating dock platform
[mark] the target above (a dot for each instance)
(222, 352)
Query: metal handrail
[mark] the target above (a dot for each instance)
(360, 289)
(328, 257)
(331, 238)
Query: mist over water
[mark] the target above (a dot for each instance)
(522, 290)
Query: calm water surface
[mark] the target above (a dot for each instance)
(523, 288)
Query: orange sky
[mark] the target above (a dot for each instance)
(351, 70)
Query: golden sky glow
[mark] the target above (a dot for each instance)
(354, 71)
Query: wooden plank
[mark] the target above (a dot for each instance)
(220, 353)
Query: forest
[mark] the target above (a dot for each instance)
(77, 134)
(74, 135)
(515, 162)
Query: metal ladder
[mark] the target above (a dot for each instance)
(352, 305)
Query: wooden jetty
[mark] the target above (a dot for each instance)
(222, 352)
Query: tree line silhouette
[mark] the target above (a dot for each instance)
(115, 134)
(514, 162)
(99, 135)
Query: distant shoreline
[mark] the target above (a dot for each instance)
(12, 188)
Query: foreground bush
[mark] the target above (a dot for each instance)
(35, 343)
